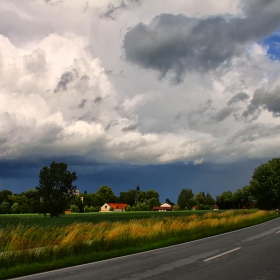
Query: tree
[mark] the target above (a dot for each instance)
(32, 195)
(129, 197)
(209, 200)
(15, 208)
(55, 188)
(243, 197)
(4, 195)
(5, 207)
(167, 200)
(226, 200)
(105, 194)
(74, 209)
(265, 185)
(184, 198)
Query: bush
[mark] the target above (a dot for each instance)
(15, 208)
(74, 208)
(176, 207)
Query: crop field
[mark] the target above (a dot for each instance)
(94, 217)
(33, 243)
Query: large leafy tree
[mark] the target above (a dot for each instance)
(55, 188)
(105, 194)
(243, 198)
(4, 195)
(226, 200)
(130, 197)
(185, 198)
(265, 184)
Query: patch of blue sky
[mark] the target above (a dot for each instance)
(272, 44)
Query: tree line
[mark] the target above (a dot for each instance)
(56, 192)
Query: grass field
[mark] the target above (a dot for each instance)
(93, 217)
(34, 243)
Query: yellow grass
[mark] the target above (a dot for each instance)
(112, 235)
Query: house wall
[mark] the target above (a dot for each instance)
(105, 208)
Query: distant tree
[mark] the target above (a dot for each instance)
(74, 208)
(55, 188)
(265, 185)
(226, 200)
(33, 202)
(23, 202)
(176, 207)
(152, 202)
(5, 207)
(129, 197)
(105, 194)
(184, 198)
(15, 208)
(243, 197)
(209, 200)
(167, 200)
(86, 208)
(200, 198)
(4, 195)
(78, 201)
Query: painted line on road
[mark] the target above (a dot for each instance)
(225, 253)
(278, 231)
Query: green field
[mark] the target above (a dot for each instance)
(94, 217)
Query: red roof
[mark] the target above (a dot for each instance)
(120, 206)
(157, 208)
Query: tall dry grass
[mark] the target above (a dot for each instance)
(22, 244)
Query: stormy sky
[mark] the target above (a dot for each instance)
(164, 94)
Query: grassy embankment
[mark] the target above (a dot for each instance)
(29, 247)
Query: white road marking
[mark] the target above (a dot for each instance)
(217, 256)
(278, 231)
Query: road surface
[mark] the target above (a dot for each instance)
(251, 253)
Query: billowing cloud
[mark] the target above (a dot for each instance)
(262, 99)
(198, 161)
(68, 90)
(239, 97)
(222, 114)
(177, 43)
(40, 104)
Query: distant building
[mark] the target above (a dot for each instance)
(116, 206)
(163, 207)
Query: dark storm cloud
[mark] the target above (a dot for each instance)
(111, 124)
(239, 97)
(176, 43)
(263, 99)
(20, 30)
(97, 100)
(253, 133)
(130, 127)
(65, 79)
(82, 104)
(222, 114)
(167, 179)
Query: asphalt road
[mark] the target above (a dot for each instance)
(251, 253)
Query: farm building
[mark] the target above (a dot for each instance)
(163, 207)
(116, 206)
